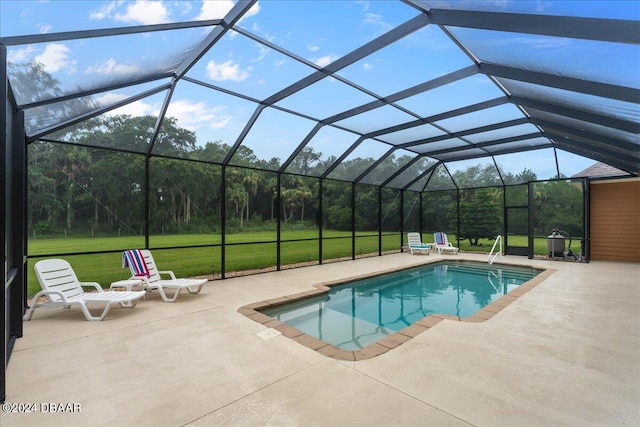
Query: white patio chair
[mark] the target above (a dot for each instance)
(61, 287)
(415, 244)
(143, 267)
(441, 243)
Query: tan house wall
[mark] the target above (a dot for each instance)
(615, 220)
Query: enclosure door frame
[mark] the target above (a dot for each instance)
(519, 207)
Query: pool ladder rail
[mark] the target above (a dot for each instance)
(498, 277)
(492, 256)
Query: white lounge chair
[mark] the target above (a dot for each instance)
(143, 267)
(415, 244)
(61, 287)
(441, 243)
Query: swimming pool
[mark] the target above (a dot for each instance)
(354, 315)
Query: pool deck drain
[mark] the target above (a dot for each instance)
(267, 334)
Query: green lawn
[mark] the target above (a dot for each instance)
(105, 268)
(539, 244)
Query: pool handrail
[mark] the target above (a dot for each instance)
(491, 254)
(491, 273)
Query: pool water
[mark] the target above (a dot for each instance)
(356, 314)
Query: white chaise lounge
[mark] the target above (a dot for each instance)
(415, 244)
(442, 244)
(143, 267)
(61, 288)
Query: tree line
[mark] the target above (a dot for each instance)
(87, 186)
(81, 188)
(78, 186)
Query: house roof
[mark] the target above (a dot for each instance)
(599, 169)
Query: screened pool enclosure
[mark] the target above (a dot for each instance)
(277, 133)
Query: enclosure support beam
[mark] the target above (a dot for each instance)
(422, 175)
(481, 129)
(320, 221)
(103, 32)
(611, 30)
(13, 205)
(379, 221)
(363, 51)
(399, 96)
(441, 116)
(243, 134)
(531, 222)
(278, 220)
(596, 140)
(374, 165)
(504, 218)
(18, 224)
(401, 216)
(421, 226)
(300, 147)
(400, 171)
(160, 119)
(97, 112)
(585, 116)
(223, 222)
(625, 163)
(4, 307)
(147, 199)
(458, 216)
(353, 221)
(342, 157)
(232, 17)
(588, 87)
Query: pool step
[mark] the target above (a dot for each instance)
(507, 273)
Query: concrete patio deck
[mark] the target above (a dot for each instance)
(565, 353)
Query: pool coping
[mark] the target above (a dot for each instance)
(390, 341)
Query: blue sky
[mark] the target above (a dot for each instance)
(239, 64)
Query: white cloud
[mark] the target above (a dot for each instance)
(325, 60)
(138, 11)
(541, 6)
(193, 116)
(226, 71)
(134, 109)
(20, 55)
(144, 12)
(111, 67)
(25, 14)
(313, 47)
(44, 28)
(183, 7)
(109, 98)
(367, 66)
(218, 9)
(365, 5)
(55, 57)
(263, 52)
(214, 9)
(549, 43)
(375, 19)
(105, 11)
(534, 43)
